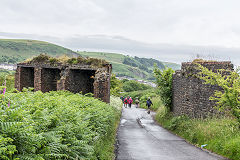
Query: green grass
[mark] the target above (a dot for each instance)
(23, 49)
(222, 135)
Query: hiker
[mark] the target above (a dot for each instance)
(125, 102)
(137, 102)
(130, 102)
(148, 104)
(122, 98)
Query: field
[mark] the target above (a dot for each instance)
(16, 50)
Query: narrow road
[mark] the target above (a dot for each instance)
(145, 140)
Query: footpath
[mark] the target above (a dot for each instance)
(140, 138)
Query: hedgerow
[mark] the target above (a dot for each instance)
(56, 125)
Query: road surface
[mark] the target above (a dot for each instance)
(140, 138)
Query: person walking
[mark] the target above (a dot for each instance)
(137, 102)
(125, 102)
(122, 98)
(130, 102)
(148, 104)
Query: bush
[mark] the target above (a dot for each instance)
(164, 82)
(56, 125)
(116, 86)
(132, 85)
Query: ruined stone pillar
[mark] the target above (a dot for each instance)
(17, 78)
(102, 86)
(62, 83)
(37, 78)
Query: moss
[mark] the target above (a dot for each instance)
(43, 58)
(202, 60)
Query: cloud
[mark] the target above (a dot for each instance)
(123, 45)
(195, 22)
(169, 30)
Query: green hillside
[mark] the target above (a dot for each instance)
(134, 67)
(16, 50)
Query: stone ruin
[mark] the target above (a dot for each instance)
(51, 75)
(190, 95)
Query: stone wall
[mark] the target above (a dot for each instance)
(76, 79)
(190, 95)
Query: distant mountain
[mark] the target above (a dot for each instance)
(16, 50)
(134, 67)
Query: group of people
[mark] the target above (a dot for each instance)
(127, 101)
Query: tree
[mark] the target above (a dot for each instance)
(164, 83)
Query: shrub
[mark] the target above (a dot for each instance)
(56, 125)
(132, 85)
(164, 82)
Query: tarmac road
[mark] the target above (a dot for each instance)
(140, 138)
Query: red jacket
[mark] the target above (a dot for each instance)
(130, 100)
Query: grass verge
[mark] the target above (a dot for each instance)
(221, 135)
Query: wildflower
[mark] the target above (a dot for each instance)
(8, 103)
(4, 90)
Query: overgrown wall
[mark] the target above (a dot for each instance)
(80, 78)
(190, 95)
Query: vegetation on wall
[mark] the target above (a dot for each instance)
(43, 58)
(229, 81)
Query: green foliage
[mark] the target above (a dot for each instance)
(164, 82)
(44, 58)
(9, 59)
(56, 125)
(116, 86)
(8, 77)
(229, 81)
(132, 85)
(222, 135)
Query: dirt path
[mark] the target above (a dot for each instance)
(140, 138)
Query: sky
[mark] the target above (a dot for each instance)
(168, 30)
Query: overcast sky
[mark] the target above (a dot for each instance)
(170, 30)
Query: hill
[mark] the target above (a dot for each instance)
(16, 50)
(134, 67)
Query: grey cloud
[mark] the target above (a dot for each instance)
(117, 44)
